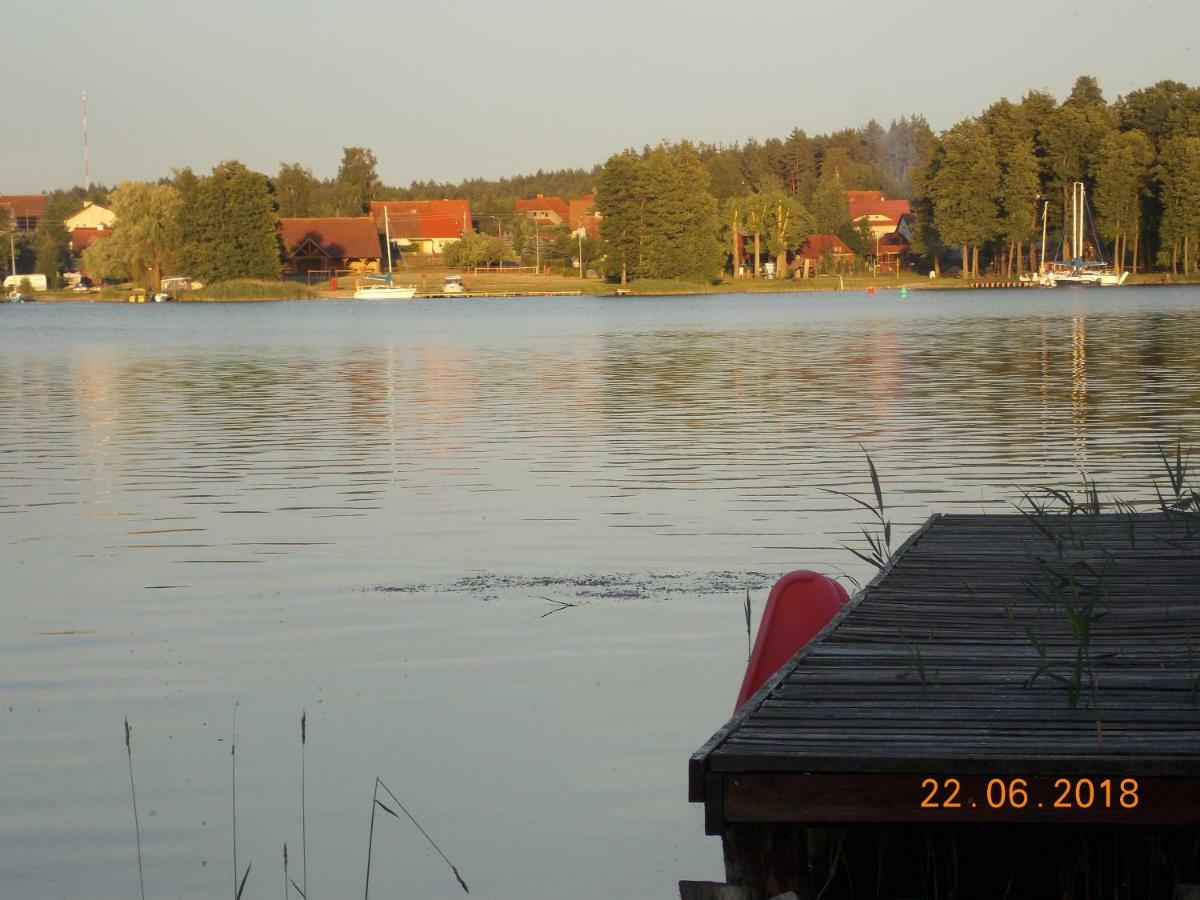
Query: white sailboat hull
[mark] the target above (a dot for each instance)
(386, 292)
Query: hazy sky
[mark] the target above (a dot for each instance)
(458, 88)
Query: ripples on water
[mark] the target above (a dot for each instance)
(362, 508)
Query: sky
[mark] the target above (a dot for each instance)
(452, 89)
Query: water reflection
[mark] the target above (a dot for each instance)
(200, 501)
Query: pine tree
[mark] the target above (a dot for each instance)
(620, 199)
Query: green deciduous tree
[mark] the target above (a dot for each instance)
(829, 207)
(1178, 173)
(1122, 180)
(228, 224)
(357, 181)
(788, 225)
(145, 241)
(477, 249)
(51, 249)
(681, 226)
(297, 191)
(964, 191)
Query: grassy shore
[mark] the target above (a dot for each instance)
(428, 279)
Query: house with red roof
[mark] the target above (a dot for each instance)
(882, 215)
(25, 211)
(545, 210)
(581, 213)
(826, 251)
(82, 238)
(423, 226)
(329, 244)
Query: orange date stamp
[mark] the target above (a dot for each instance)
(1013, 793)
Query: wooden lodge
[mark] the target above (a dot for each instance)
(1011, 708)
(329, 244)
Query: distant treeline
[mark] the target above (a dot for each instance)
(978, 190)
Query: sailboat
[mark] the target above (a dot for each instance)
(1074, 268)
(385, 290)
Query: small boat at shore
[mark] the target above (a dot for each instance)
(15, 296)
(385, 292)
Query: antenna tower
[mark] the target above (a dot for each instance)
(87, 178)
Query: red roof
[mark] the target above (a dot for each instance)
(82, 238)
(542, 204)
(337, 238)
(871, 203)
(25, 204)
(582, 208)
(864, 196)
(819, 245)
(423, 218)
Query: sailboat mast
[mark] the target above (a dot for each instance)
(387, 235)
(1078, 221)
(1045, 214)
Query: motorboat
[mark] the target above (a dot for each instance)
(453, 284)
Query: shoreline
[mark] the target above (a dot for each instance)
(852, 285)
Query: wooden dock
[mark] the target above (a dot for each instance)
(952, 709)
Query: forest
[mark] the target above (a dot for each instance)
(685, 210)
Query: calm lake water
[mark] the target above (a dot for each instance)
(367, 511)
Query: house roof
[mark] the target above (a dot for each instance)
(581, 208)
(542, 203)
(820, 244)
(872, 205)
(25, 204)
(82, 238)
(423, 218)
(89, 205)
(337, 237)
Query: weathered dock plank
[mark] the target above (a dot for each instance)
(997, 671)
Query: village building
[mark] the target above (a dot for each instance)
(93, 216)
(424, 227)
(881, 215)
(823, 253)
(545, 210)
(329, 244)
(25, 211)
(582, 214)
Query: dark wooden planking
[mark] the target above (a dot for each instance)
(853, 701)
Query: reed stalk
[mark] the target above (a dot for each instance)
(371, 838)
(303, 816)
(137, 830)
(233, 785)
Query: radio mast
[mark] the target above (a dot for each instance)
(87, 178)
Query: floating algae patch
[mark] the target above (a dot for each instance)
(612, 586)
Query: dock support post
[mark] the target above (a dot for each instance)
(769, 859)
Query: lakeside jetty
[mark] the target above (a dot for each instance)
(1012, 700)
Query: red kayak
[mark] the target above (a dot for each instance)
(800, 605)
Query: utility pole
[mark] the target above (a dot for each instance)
(579, 234)
(537, 247)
